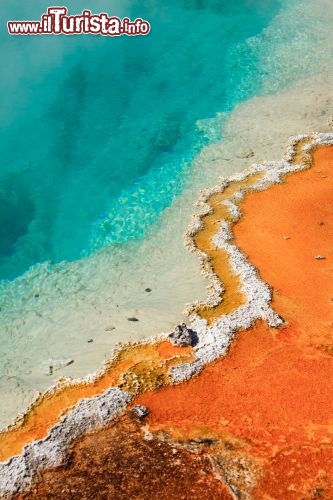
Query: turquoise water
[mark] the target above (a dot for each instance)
(97, 134)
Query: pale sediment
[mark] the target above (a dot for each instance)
(213, 340)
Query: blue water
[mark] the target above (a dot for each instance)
(97, 133)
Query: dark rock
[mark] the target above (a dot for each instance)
(148, 290)
(132, 319)
(183, 336)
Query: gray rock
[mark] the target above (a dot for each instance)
(182, 336)
(140, 411)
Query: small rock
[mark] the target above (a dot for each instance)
(320, 223)
(182, 336)
(90, 341)
(148, 290)
(140, 411)
(132, 319)
(320, 257)
(286, 237)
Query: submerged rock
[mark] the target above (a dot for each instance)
(109, 328)
(51, 365)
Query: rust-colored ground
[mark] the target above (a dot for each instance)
(136, 368)
(121, 463)
(274, 389)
